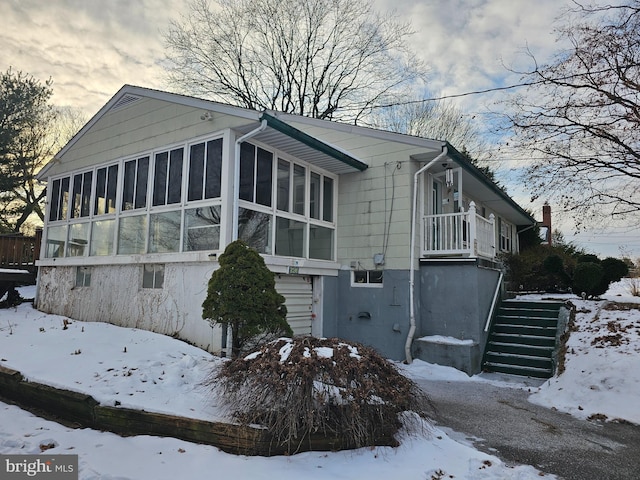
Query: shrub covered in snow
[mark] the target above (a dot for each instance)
(305, 386)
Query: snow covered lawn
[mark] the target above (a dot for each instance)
(139, 369)
(602, 376)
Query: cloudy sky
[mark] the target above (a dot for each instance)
(90, 48)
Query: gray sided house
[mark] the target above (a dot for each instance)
(375, 237)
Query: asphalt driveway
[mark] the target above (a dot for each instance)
(502, 422)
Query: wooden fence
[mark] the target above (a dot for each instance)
(20, 252)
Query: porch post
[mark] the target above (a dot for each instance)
(492, 220)
(473, 231)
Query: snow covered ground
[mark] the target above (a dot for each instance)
(135, 368)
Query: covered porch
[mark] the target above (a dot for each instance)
(462, 213)
(463, 234)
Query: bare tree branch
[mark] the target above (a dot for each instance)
(581, 116)
(329, 59)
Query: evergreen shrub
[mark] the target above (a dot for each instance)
(241, 294)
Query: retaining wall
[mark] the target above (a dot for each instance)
(82, 410)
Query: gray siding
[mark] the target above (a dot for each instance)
(455, 300)
(387, 328)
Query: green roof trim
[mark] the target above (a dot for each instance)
(466, 164)
(312, 142)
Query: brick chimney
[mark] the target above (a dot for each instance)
(546, 221)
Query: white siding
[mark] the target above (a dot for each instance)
(139, 127)
(298, 294)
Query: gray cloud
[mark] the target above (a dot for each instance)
(90, 48)
(109, 43)
(106, 44)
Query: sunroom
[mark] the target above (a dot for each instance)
(176, 202)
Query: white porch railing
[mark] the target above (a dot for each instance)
(459, 234)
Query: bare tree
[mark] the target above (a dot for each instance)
(580, 118)
(328, 59)
(439, 120)
(68, 121)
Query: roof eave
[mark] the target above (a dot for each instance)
(466, 165)
(313, 142)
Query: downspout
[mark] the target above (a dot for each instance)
(236, 207)
(412, 313)
(236, 178)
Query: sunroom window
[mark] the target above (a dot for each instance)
(202, 228)
(290, 237)
(291, 216)
(256, 174)
(320, 242)
(132, 235)
(205, 170)
(78, 239)
(321, 197)
(81, 195)
(167, 177)
(56, 241)
(102, 237)
(136, 175)
(106, 188)
(284, 184)
(59, 199)
(164, 232)
(327, 199)
(143, 204)
(255, 229)
(169, 201)
(299, 182)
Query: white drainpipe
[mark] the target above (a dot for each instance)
(412, 313)
(236, 178)
(236, 204)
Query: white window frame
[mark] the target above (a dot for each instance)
(367, 283)
(157, 276)
(290, 215)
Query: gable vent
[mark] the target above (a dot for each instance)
(125, 100)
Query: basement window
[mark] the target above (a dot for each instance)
(153, 276)
(83, 276)
(366, 278)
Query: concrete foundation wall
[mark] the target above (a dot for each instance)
(374, 316)
(329, 306)
(452, 301)
(455, 299)
(116, 296)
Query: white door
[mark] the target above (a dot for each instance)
(298, 293)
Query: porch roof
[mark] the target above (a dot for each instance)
(303, 146)
(487, 192)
